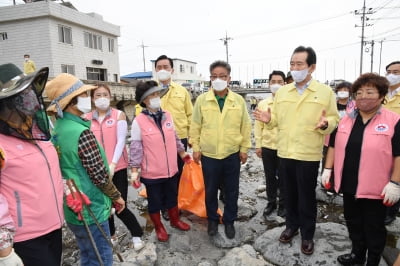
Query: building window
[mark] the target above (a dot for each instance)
(191, 69)
(93, 41)
(115, 77)
(111, 45)
(3, 36)
(70, 69)
(182, 68)
(64, 34)
(96, 73)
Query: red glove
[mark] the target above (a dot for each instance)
(75, 202)
(187, 158)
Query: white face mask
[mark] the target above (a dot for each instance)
(84, 104)
(26, 59)
(102, 103)
(342, 94)
(163, 75)
(219, 84)
(274, 87)
(393, 79)
(299, 75)
(155, 103)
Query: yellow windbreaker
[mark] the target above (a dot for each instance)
(393, 104)
(219, 134)
(265, 137)
(178, 102)
(296, 117)
(29, 67)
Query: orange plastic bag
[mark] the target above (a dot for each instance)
(191, 194)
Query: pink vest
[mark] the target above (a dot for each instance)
(159, 154)
(376, 160)
(31, 182)
(106, 135)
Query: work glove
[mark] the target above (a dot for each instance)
(187, 158)
(135, 180)
(112, 170)
(11, 259)
(75, 202)
(325, 177)
(390, 194)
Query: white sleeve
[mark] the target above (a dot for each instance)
(122, 129)
(135, 131)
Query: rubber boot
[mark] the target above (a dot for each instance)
(160, 230)
(175, 221)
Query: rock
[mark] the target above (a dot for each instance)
(245, 255)
(331, 240)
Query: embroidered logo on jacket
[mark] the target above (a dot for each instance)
(381, 128)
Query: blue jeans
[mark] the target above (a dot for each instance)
(221, 171)
(87, 253)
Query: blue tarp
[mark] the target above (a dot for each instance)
(138, 75)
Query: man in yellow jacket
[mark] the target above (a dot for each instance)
(220, 137)
(304, 112)
(178, 102)
(29, 65)
(266, 139)
(392, 102)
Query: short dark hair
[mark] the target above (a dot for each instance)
(311, 56)
(220, 63)
(162, 57)
(277, 73)
(344, 84)
(374, 80)
(393, 63)
(26, 55)
(141, 88)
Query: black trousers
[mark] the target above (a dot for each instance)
(270, 161)
(44, 250)
(162, 194)
(365, 220)
(300, 181)
(120, 181)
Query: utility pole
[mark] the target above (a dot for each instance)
(380, 56)
(144, 60)
(226, 40)
(363, 14)
(372, 54)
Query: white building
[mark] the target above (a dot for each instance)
(60, 37)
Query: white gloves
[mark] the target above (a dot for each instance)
(135, 181)
(326, 175)
(391, 194)
(112, 169)
(11, 259)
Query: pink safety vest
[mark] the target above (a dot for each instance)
(106, 135)
(31, 182)
(159, 155)
(376, 160)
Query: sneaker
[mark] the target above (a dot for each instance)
(138, 244)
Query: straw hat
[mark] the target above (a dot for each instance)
(13, 81)
(62, 89)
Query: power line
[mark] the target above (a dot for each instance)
(363, 25)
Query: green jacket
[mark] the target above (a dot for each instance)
(65, 138)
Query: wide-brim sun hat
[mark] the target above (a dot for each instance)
(13, 81)
(61, 90)
(152, 90)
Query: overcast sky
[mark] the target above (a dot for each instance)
(264, 33)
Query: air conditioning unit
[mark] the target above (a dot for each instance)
(97, 62)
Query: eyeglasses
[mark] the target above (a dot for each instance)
(223, 77)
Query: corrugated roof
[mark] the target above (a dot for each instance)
(138, 75)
